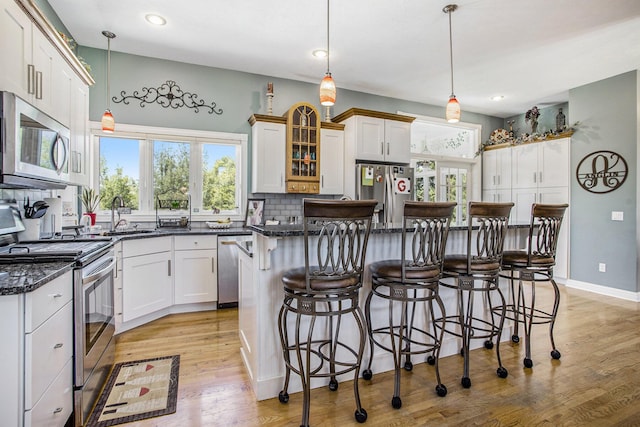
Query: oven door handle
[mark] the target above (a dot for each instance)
(100, 274)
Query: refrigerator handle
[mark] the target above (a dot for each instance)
(388, 197)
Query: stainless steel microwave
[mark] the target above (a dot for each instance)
(35, 147)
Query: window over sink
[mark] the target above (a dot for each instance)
(142, 163)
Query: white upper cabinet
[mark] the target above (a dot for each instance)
(377, 136)
(332, 160)
(496, 169)
(36, 64)
(542, 164)
(79, 128)
(268, 141)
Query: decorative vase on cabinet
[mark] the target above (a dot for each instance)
(303, 149)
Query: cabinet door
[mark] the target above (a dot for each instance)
(496, 196)
(523, 199)
(268, 142)
(553, 161)
(525, 166)
(332, 161)
(397, 138)
(489, 170)
(147, 284)
(16, 48)
(196, 276)
(79, 128)
(370, 138)
(44, 61)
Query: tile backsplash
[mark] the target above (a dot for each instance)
(284, 206)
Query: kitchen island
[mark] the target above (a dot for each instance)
(281, 247)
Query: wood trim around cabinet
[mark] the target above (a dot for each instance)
(331, 125)
(371, 113)
(266, 118)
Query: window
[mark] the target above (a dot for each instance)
(146, 164)
(443, 157)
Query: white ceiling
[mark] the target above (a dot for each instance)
(532, 52)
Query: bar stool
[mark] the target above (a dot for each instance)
(477, 271)
(534, 265)
(407, 282)
(327, 287)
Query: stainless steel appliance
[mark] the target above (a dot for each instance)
(391, 185)
(94, 323)
(35, 147)
(228, 269)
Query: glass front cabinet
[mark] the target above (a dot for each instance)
(303, 149)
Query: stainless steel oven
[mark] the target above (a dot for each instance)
(94, 330)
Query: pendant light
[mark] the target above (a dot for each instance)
(108, 122)
(453, 107)
(327, 86)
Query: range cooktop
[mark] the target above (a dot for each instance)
(52, 250)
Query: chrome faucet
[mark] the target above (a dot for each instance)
(113, 208)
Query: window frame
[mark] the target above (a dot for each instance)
(146, 135)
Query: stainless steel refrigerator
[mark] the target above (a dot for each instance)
(391, 185)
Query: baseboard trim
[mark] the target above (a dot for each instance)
(603, 290)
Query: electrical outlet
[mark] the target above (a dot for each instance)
(602, 267)
(617, 216)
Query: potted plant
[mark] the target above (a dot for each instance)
(90, 203)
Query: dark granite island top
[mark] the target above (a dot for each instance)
(291, 230)
(27, 277)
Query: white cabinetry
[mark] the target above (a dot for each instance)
(36, 363)
(32, 68)
(196, 269)
(147, 276)
(539, 174)
(268, 141)
(332, 159)
(496, 175)
(378, 136)
(79, 128)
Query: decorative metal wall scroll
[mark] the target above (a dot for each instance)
(168, 95)
(602, 172)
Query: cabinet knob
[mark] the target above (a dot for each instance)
(57, 410)
(55, 295)
(59, 345)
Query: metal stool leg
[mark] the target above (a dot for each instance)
(556, 303)
(283, 396)
(367, 374)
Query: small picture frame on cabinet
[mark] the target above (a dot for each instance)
(255, 212)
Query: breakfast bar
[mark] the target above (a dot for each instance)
(277, 248)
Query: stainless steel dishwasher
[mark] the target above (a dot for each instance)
(228, 269)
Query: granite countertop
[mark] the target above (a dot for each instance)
(143, 234)
(291, 230)
(21, 278)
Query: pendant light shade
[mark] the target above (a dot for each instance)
(327, 86)
(327, 91)
(108, 122)
(452, 112)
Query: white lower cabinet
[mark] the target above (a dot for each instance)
(147, 275)
(196, 275)
(36, 359)
(248, 313)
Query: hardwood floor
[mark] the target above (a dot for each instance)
(595, 383)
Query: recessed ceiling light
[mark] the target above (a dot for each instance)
(497, 98)
(320, 53)
(155, 19)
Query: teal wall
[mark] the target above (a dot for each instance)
(239, 94)
(546, 121)
(608, 112)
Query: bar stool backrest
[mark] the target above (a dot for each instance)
(342, 228)
(426, 225)
(491, 219)
(544, 230)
